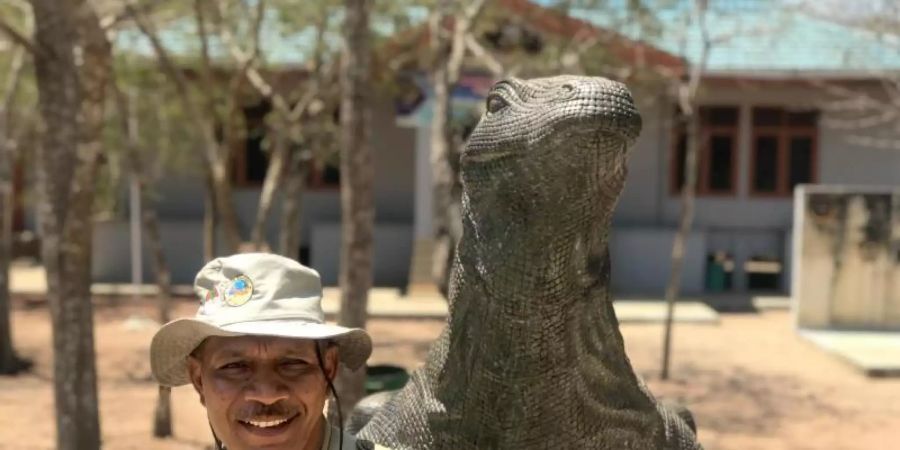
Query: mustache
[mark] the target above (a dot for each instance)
(260, 411)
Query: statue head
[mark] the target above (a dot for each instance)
(550, 145)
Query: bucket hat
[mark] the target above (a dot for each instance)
(252, 294)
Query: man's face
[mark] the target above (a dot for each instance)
(263, 392)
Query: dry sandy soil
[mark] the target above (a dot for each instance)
(750, 381)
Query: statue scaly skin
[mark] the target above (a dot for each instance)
(532, 356)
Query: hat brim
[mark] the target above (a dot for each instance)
(176, 340)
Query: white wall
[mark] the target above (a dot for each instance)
(392, 251)
(641, 259)
(742, 224)
(642, 198)
(182, 244)
(180, 207)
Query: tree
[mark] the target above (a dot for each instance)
(204, 114)
(10, 363)
(869, 111)
(134, 160)
(688, 87)
(72, 98)
(449, 27)
(357, 178)
(299, 111)
(479, 36)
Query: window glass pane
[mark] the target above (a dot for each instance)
(766, 116)
(765, 173)
(800, 161)
(720, 115)
(721, 152)
(802, 118)
(331, 175)
(257, 162)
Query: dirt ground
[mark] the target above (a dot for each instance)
(750, 381)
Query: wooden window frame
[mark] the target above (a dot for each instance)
(239, 168)
(238, 147)
(707, 132)
(315, 180)
(783, 132)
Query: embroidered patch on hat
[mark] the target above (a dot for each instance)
(239, 291)
(210, 295)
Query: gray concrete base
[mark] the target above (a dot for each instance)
(875, 353)
(640, 311)
(772, 302)
(386, 302)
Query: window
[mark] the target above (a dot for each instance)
(717, 157)
(325, 174)
(251, 159)
(784, 150)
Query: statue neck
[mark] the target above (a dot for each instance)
(533, 299)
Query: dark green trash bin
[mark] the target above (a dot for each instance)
(385, 377)
(715, 276)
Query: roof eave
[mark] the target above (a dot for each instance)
(789, 74)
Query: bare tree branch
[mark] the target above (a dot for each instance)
(113, 19)
(18, 38)
(12, 80)
(486, 58)
(257, 26)
(870, 121)
(175, 74)
(687, 100)
(877, 143)
(461, 29)
(256, 79)
(215, 167)
(206, 66)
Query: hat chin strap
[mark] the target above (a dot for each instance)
(337, 401)
(218, 443)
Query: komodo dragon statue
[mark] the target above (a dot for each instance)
(532, 356)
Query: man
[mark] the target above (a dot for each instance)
(260, 355)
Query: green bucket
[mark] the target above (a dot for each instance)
(384, 377)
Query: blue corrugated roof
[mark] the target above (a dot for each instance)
(750, 36)
(281, 44)
(763, 36)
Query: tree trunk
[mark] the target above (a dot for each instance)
(72, 107)
(160, 264)
(687, 101)
(441, 170)
(162, 423)
(209, 221)
(292, 206)
(226, 215)
(448, 49)
(215, 161)
(271, 183)
(686, 217)
(9, 361)
(162, 418)
(357, 177)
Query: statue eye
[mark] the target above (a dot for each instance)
(495, 103)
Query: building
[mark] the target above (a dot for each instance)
(767, 126)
